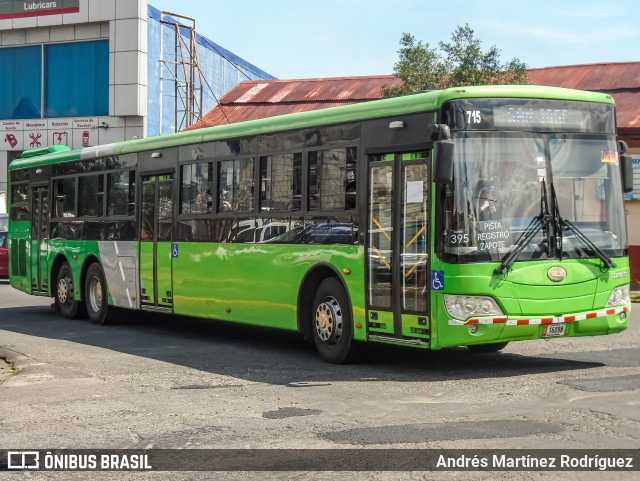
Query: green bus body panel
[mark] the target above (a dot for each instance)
(75, 253)
(20, 234)
(45, 159)
(526, 293)
(164, 274)
(145, 259)
(257, 283)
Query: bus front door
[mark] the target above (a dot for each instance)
(398, 247)
(40, 240)
(156, 226)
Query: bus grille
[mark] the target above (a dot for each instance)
(19, 257)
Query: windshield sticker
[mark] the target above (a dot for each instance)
(458, 238)
(493, 235)
(415, 192)
(609, 157)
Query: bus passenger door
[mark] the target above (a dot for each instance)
(398, 247)
(156, 226)
(40, 240)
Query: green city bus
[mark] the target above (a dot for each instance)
(469, 216)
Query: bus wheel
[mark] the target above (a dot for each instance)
(487, 347)
(95, 294)
(331, 322)
(65, 294)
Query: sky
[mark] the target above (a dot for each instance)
(339, 38)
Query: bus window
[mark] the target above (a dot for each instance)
(64, 191)
(281, 182)
(91, 196)
(20, 202)
(235, 185)
(195, 192)
(332, 179)
(121, 193)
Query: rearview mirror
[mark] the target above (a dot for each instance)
(626, 167)
(444, 149)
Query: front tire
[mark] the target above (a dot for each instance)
(331, 322)
(65, 294)
(95, 295)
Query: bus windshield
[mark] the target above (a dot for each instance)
(504, 180)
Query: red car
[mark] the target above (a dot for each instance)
(4, 255)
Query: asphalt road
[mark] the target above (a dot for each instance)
(168, 382)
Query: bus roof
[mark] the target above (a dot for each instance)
(350, 113)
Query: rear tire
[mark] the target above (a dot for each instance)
(65, 294)
(331, 322)
(499, 346)
(95, 295)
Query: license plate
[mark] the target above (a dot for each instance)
(554, 330)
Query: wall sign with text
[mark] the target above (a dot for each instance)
(36, 8)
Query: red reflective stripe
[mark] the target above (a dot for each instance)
(548, 320)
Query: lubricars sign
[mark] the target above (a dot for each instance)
(36, 8)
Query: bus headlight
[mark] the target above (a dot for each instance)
(464, 307)
(619, 297)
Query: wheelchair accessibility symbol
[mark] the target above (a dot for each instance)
(437, 280)
(174, 250)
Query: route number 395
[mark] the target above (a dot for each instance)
(473, 117)
(458, 238)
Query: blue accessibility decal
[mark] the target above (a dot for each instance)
(437, 280)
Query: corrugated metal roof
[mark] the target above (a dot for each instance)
(621, 80)
(598, 76)
(627, 108)
(349, 89)
(230, 114)
(258, 99)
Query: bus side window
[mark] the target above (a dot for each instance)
(20, 202)
(64, 191)
(332, 179)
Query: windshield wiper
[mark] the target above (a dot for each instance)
(539, 222)
(561, 224)
(558, 224)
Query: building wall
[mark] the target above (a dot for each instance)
(139, 103)
(632, 211)
(124, 24)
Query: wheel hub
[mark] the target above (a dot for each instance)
(95, 294)
(329, 320)
(64, 290)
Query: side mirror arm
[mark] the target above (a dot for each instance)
(443, 154)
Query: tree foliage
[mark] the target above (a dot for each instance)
(458, 63)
